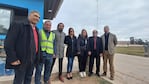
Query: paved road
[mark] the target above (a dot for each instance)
(131, 69)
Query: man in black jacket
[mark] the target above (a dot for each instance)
(22, 48)
(95, 50)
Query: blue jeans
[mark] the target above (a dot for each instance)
(70, 64)
(47, 62)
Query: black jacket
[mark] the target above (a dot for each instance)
(19, 45)
(82, 43)
(71, 46)
(99, 46)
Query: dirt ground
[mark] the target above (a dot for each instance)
(76, 80)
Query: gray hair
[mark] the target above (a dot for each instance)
(47, 21)
(106, 26)
(34, 11)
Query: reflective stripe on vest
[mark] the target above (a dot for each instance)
(47, 43)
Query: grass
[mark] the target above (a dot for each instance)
(131, 50)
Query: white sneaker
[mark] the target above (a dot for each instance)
(84, 73)
(81, 74)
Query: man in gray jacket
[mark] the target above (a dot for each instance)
(59, 36)
(109, 41)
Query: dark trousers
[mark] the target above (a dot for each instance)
(82, 58)
(60, 65)
(91, 63)
(23, 75)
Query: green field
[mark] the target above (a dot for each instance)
(131, 50)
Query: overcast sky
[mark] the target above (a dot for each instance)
(126, 18)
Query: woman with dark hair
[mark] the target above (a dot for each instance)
(71, 42)
(82, 51)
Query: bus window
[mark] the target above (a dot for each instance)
(5, 19)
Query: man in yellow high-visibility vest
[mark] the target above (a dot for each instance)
(48, 51)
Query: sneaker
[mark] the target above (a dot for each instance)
(84, 73)
(81, 74)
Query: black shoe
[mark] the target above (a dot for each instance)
(46, 82)
(111, 78)
(90, 74)
(68, 78)
(98, 74)
(71, 77)
(104, 74)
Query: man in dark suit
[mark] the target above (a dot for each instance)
(22, 48)
(95, 50)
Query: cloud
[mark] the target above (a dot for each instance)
(126, 18)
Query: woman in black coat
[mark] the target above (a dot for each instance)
(82, 51)
(71, 42)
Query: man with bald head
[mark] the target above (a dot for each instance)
(94, 51)
(22, 48)
(109, 41)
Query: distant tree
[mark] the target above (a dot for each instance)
(139, 41)
(146, 42)
(132, 40)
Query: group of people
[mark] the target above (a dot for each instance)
(28, 48)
